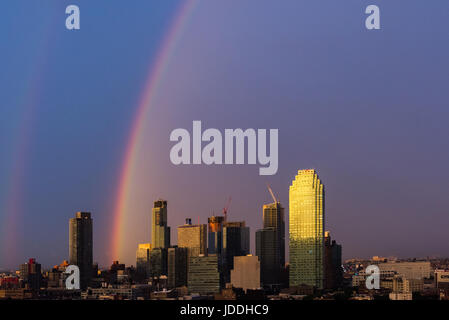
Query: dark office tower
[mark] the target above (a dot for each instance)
(270, 245)
(177, 267)
(204, 275)
(215, 234)
(160, 231)
(235, 243)
(158, 262)
(333, 273)
(273, 217)
(80, 246)
(31, 274)
(268, 253)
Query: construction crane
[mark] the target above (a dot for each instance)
(225, 209)
(272, 194)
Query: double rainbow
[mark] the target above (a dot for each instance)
(155, 75)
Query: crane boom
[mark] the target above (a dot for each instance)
(225, 209)
(272, 194)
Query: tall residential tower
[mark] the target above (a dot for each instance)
(80, 246)
(160, 231)
(270, 245)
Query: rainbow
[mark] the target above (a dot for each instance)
(11, 229)
(156, 73)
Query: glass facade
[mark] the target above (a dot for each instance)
(143, 260)
(177, 267)
(204, 275)
(235, 243)
(306, 224)
(158, 262)
(160, 231)
(215, 231)
(270, 244)
(193, 237)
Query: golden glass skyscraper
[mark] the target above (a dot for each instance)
(306, 221)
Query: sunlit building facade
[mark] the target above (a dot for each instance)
(143, 259)
(193, 237)
(160, 231)
(215, 234)
(306, 227)
(246, 273)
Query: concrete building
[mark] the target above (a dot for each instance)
(442, 279)
(246, 272)
(193, 237)
(410, 270)
(31, 274)
(117, 293)
(403, 285)
(400, 296)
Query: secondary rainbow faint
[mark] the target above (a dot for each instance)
(11, 223)
(156, 73)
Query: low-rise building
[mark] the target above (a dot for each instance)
(246, 272)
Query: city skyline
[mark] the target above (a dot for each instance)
(85, 119)
(159, 219)
(212, 261)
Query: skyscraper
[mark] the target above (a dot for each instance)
(143, 260)
(177, 267)
(204, 275)
(333, 272)
(215, 234)
(273, 217)
(270, 245)
(81, 246)
(235, 243)
(160, 231)
(193, 237)
(158, 262)
(306, 221)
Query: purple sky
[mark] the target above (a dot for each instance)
(367, 109)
